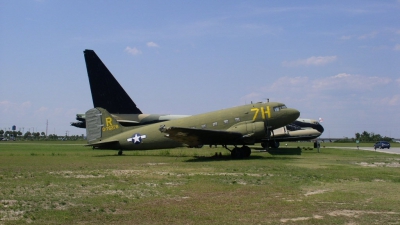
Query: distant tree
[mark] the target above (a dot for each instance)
(53, 137)
(365, 136)
(36, 135)
(43, 134)
(27, 134)
(371, 137)
(1, 132)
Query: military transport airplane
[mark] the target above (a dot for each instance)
(108, 93)
(241, 125)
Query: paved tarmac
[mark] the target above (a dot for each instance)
(391, 150)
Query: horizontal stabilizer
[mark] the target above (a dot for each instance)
(106, 145)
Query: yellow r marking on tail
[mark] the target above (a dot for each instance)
(108, 121)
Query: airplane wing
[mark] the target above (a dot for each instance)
(195, 137)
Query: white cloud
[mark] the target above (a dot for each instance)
(349, 81)
(41, 110)
(312, 61)
(152, 44)
(335, 91)
(368, 36)
(398, 81)
(253, 96)
(15, 108)
(133, 51)
(289, 82)
(392, 101)
(348, 37)
(397, 47)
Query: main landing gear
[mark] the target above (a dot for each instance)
(239, 153)
(268, 144)
(120, 152)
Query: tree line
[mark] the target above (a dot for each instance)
(18, 135)
(367, 137)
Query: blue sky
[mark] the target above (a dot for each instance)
(338, 60)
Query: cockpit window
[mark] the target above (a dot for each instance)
(278, 108)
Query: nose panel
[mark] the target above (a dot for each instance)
(319, 128)
(286, 116)
(293, 114)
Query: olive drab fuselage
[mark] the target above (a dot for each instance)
(252, 119)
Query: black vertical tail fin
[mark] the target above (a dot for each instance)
(107, 93)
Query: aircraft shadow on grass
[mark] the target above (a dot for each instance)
(279, 154)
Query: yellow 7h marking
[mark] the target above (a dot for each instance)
(263, 112)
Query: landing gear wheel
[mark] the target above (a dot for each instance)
(246, 151)
(236, 153)
(120, 152)
(274, 144)
(265, 145)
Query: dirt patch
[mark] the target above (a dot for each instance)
(88, 176)
(156, 164)
(11, 215)
(356, 213)
(127, 172)
(78, 174)
(315, 192)
(379, 164)
(8, 203)
(301, 218)
(229, 174)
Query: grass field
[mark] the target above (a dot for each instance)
(66, 183)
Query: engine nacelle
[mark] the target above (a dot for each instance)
(256, 129)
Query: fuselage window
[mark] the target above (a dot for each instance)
(276, 109)
(203, 126)
(215, 124)
(237, 119)
(226, 121)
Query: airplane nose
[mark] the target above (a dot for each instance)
(293, 114)
(320, 128)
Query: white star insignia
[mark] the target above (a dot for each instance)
(136, 138)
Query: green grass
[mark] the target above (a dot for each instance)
(63, 183)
